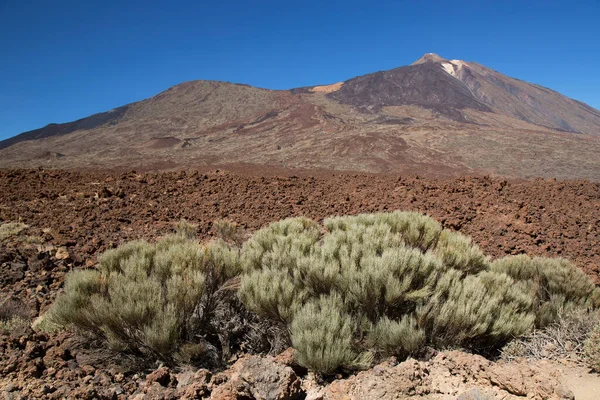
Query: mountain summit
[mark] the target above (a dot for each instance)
(436, 116)
(429, 57)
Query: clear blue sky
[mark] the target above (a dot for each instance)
(64, 60)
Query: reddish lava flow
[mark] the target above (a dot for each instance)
(90, 212)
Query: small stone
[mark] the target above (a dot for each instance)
(88, 369)
(162, 376)
(11, 387)
(47, 389)
(118, 377)
(62, 253)
(286, 357)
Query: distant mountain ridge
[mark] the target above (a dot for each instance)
(435, 116)
(91, 122)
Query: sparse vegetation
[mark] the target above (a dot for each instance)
(229, 232)
(13, 326)
(14, 317)
(399, 281)
(153, 299)
(10, 229)
(563, 338)
(557, 285)
(342, 293)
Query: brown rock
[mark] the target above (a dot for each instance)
(286, 357)
(156, 391)
(449, 374)
(196, 390)
(161, 376)
(55, 357)
(260, 378)
(537, 381)
(382, 382)
(62, 253)
(84, 393)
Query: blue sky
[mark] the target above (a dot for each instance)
(64, 60)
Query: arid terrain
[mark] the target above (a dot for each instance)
(511, 164)
(74, 216)
(436, 117)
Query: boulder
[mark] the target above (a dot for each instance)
(452, 374)
(259, 378)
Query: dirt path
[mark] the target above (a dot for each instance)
(584, 384)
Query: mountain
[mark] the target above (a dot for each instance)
(435, 116)
(450, 86)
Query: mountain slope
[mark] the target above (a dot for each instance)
(449, 86)
(91, 122)
(519, 99)
(435, 116)
(424, 85)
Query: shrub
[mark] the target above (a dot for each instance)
(14, 317)
(152, 299)
(399, 338)
(10, 229)
(322, 335)
(563, 338)
(398, 281)
(592, 349)
(229, 232)
(186, 229)
(556, 284)
(478, 311)
(271, 293)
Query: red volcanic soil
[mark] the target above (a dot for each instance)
(90, 212)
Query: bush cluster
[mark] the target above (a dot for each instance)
(391, 283)
(345, 292)
(154, 299)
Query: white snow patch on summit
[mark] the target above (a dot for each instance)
(449, 68)
(454, 66)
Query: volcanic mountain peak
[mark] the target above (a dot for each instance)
(429, 57)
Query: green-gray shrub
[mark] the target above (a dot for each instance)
(322, 335)
(13, 326)
(271, 293)
(478, 310)
(399, 338)
(148, 298)
(229, 231)
(10, 229)
(556, 284)
(401, 281)
(14, 317)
